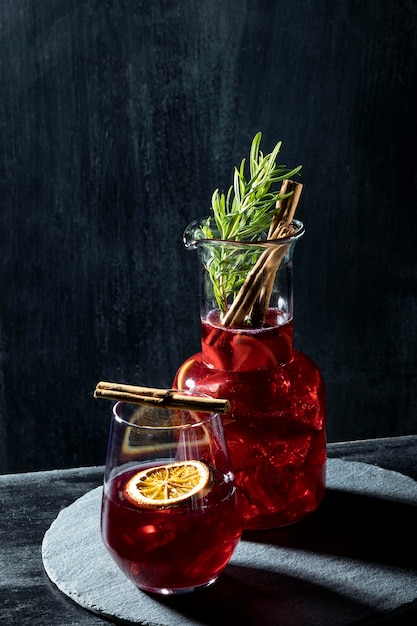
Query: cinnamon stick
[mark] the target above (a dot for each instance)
(253, 297)
(286, 208)
(166, 398)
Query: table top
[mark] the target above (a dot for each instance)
(31, 502)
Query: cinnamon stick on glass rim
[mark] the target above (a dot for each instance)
(167, 398)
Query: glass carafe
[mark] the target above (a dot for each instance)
(275, 429)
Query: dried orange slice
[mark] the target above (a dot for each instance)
(183, 372)
(136, 438)
(166, 485)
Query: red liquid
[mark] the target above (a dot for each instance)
(276, 428)
(173, 548)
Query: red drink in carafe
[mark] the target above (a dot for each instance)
(276, 427)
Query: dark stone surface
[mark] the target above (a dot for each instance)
(396, 453)
(31, 502)
(118, 120)
(330, 568)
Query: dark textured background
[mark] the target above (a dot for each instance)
(117, 121)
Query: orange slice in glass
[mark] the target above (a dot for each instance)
(166, 485)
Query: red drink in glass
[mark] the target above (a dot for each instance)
(182, 546)
(276, 428)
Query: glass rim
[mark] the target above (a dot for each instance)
(193, 242)
(203, 416)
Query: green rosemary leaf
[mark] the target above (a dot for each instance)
(243, 214)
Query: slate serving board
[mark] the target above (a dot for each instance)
(354, 559)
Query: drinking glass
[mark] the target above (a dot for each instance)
(170, 516)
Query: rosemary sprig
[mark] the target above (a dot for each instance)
(243, 214)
